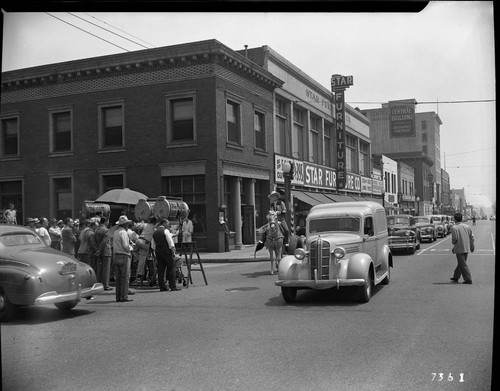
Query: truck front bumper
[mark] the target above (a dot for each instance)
(320, 284)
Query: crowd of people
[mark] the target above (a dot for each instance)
(122, 252)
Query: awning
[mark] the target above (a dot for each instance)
(304, 197)
(340, 198)
(313, 198)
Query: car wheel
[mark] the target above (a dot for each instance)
(7, 309)
(289, 294)
(66, 305)
(365, 291)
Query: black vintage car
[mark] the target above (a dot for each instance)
(32, 273)
(403, 233)
(427, 229)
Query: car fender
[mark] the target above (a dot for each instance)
(291, 268)
(359, 266)
(19, 285)
(387, 255)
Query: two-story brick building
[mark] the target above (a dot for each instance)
(192, 121)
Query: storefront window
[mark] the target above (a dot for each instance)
(191, 189)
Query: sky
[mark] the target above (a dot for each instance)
(442, 56)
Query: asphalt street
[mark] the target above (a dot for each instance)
(420, 332)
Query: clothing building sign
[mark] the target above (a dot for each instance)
(402, 119)
(339, 84)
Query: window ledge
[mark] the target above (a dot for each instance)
(260, 152)
(9, 158)
(182, 144)
(61, 154)
(234, 146)
(112, 150)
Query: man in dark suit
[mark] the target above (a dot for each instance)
(164, 248)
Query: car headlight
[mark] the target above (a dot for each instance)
(300, 254)
(339, 253)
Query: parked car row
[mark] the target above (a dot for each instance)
(406, 232)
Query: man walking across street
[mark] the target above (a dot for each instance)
(462, 239)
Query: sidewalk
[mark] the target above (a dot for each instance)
(246, 254)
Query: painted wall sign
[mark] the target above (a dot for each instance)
(402, 120)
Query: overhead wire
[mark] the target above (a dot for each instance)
(116, 28)
(87, 32)
(105, 29)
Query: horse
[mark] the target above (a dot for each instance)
(274, 234)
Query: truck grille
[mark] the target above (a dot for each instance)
(319, 256)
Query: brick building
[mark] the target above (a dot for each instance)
(192, 121)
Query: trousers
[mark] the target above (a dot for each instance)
(122, 275)
(462, 269)
(103, 270)
(165, 265)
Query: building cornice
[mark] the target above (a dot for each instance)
(210, 51)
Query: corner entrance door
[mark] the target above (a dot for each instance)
(248, 230)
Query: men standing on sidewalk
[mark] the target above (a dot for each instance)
(462, 239)
(122, 251)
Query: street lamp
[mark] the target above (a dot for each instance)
(288, 169)
(418, 205)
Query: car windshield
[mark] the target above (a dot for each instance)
(422, 220)
(335, 224)
(19, 239)
(436, 219)
(398, 220)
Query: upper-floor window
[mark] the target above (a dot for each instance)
(9, 140)
(233, 119)
(282, 145)
(61, 129)
(181, 124)
(111, 126)
(315, 130)
(364, 158)
(424, 125)
(260, 130)
(424, 137)
(350, 154)
(328, 157)
(298, 134)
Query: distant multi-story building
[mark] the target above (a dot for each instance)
(446, 206)
(400, 133)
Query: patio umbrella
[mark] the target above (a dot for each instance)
(122, 196)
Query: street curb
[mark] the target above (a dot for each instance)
(233, 260)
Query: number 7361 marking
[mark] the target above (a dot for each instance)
(441, 376)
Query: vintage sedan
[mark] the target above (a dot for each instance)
(427, 230)
(440, 224)
(32, 273)
(346, 245)
(403, 233)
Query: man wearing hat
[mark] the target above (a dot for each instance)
(278, 206)
(55, 234)
(122, 251)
